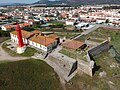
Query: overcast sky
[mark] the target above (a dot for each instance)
(18, 1)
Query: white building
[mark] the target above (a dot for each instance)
(81, 25)
(70, 22)
(7, 27)
(36, 40)
(100, 21)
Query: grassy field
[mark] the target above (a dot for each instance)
(73, 54)
(28, 75)
(57, 22)
(68, 52)
(66, 34)
(26, 54)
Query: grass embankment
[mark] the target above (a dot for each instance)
(4, 35)
(85, 82)
(28, 52)
(28, 75)
(103, 61)
(68, 52)
(73, 54)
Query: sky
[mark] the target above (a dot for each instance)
(18, 1)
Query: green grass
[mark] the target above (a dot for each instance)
(104, 60)
(28, 75)
(115, 40)
(73, 54)
(66, 34)
(56, 22)
(68, 52)
(28, 52)
(85, 82)
(96, 40)
(59, 30)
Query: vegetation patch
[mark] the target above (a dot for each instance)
(28, 52)
(76, 54)
(2, 39)
(84, 82)
(66, 35)
(4, 33)
(28, 75)
(68, 52)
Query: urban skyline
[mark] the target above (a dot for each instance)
(17, 1)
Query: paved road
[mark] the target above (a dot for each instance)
(94, 28)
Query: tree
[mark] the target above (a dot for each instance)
(107, 21)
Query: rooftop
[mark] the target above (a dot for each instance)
(72, 44)
(35, 38)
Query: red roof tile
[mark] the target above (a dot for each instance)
(72, 44)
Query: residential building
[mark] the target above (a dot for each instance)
(35, 40)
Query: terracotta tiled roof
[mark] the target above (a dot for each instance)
(13, 26)
(31, 20)
(35, 38)
(9, 26)
(1, 17)
(47, 18)
(24, 24)
(100, 18)
(36, 32)
(72, 44)
(115, 22)
(53, 36)
(25, 34)
(71, 20)
(42, 40)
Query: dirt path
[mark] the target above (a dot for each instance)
(7, 57)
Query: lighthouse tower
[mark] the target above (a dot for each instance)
(21, 47)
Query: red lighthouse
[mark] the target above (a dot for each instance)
(21, 47)
(19, 36)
